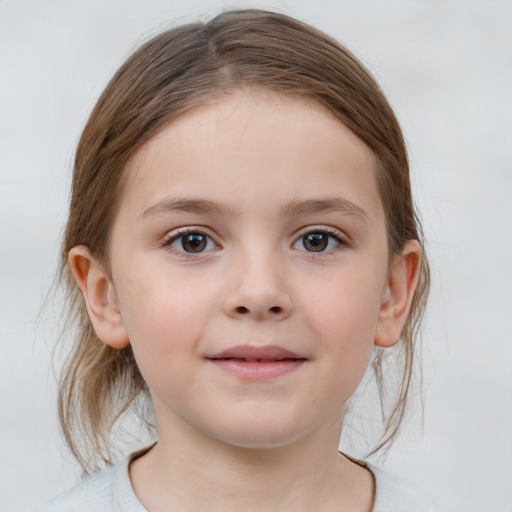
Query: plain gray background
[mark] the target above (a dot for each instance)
(446, 67)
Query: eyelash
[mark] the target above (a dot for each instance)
(168, 242)
(322, 230)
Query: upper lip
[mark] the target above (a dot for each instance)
(255, 353)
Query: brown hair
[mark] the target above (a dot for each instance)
(175, 72)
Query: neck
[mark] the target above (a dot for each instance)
(195, 472)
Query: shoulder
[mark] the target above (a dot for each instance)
(108, 491)
(395, 495)
(92, 493)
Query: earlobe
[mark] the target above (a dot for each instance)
(398, 294)
(99, 296)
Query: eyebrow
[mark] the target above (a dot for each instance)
(189, 205)
(294, 207)
(329, 205)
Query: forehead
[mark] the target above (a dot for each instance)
(253, 145)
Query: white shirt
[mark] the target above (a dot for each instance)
(111, 491)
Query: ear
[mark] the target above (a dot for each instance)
(398, 293)
(99, 296)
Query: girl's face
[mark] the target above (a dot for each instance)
(249, 266)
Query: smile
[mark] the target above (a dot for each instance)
(257, 363)
(256, 360)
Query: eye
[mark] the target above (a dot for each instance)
(191, 242)
(318, 241)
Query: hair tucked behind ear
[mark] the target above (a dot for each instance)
(169, 75)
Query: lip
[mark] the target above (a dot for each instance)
(265, 352)
(257, 363)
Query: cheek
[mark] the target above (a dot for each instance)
(343, 315)
(345, 307)
(164, 318)
(153, 296)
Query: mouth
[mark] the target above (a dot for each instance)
(257, 363)
(255, 354)
(255, 360)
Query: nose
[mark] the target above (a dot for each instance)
(258, 290)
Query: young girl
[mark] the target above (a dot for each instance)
(241, 244)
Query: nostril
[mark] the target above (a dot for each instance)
(243, 310)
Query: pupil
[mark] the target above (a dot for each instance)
(194, 242)
(315, 242)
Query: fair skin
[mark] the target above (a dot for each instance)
(252, 221)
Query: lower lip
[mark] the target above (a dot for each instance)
(258, 370)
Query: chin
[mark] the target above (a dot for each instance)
(259, 436)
